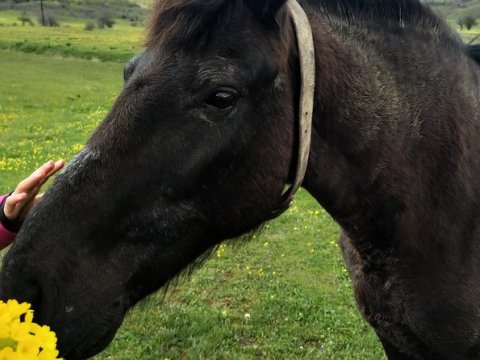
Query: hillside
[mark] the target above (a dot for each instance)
(85, 9)
(450, 9)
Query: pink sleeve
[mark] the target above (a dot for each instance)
(6, 237)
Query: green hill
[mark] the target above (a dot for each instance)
(86, 9)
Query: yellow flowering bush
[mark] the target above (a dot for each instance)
(21, 338)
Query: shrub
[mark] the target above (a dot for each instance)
(89, 26)
(467, 21)
(49, 18)
(25, 19)
(105, 20)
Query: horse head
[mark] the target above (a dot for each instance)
(196, 149)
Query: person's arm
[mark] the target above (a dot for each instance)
(6, 236)
(15, 207)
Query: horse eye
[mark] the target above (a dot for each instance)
(222, 99)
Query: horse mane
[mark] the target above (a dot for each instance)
(396, 11)
(186, 22)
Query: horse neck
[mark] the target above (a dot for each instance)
(392, 149)
(351, 138)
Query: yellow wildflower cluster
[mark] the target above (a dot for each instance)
(21, 338)
(221, 250)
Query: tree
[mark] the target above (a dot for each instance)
(105, 19)
(49, 19)
(467, 21)
(41, 11)
(470, 22)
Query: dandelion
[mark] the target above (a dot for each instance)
(21, 338)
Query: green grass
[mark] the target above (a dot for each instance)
(284, 295)
(48, 107)
(291, 283)
(117, 44)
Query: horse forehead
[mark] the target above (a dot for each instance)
(204, 66)
(228, 67)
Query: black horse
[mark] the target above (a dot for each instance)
(201, 141)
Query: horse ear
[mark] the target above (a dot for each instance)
(266, 9)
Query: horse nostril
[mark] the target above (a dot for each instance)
(33, 295)
(119, 303)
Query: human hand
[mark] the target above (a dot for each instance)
(19, 203)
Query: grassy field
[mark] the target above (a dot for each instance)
(70, 39)
(88, 9)
(48, 106)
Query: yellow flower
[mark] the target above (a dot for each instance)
(21, 338)
(77, 147)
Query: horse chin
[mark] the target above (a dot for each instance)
(82, 337)
(91, 345)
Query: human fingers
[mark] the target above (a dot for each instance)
(35, 179)
(57, 166)
(28, 206)
(14, 205)
(37, 199)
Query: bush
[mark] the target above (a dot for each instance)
(49, 18)
(89, 26)
(25, 19)
(105, 20)
(467, 21)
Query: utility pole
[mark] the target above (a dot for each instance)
(41, 10)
